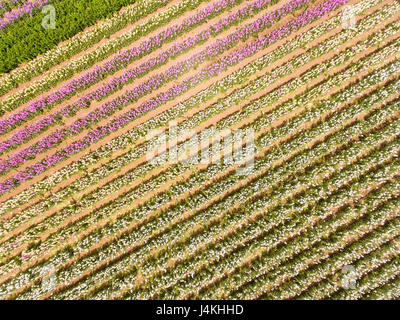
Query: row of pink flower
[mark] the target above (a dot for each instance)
(118, 62)
(211, 71)
(26, 8)
(143, 88)
(8, 5)
(118, 82)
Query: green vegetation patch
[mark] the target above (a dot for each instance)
(26, 38)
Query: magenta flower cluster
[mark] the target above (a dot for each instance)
(27, 8)
(214, 69)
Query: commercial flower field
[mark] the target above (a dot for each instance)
(93, 207)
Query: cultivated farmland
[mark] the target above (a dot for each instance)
(191, 149)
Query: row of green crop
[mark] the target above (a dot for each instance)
(128, 220)
(26, 38)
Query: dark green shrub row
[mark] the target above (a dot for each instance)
(26, 38)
